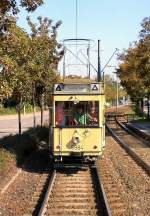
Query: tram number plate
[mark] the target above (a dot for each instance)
(78, 148)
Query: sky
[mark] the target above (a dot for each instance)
(116, 23)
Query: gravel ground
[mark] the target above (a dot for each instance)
(122, 108)
(7, 175)
(16, 199)
(137, 145)
(132, 182)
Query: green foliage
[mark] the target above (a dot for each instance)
(12, 6)
(134, 69)
(45, 53)
(29, 60)
(111, 89)
(13, 57)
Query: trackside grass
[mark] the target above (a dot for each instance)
(6, 158)
(15, 148)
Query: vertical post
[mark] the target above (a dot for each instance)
(64, 66)
(99, 62)
(50, 130)
(24, 110)
(76, 27)
(117, 96)
(88, 63)
(76, 19)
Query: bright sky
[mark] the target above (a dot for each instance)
(115, 22)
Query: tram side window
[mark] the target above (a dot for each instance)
(84, 113)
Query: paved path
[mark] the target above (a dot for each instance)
(143, 126)
(9, 124)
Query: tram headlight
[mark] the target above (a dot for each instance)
(75, 139)
(76, 102)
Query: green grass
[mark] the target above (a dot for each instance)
(137, 118)
(142, 120)
(5, 159)
(131, 112)
(12, 111)
(8, 111)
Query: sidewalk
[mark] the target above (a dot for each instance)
(15, 116)
(9, 123)
(143, 127)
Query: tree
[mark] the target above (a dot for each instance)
(29, 62)
(134, 69)
(12, 6)
(111, 89)
(43, 57)
(14, 47)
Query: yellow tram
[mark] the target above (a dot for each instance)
(78, 124)
(78, 120)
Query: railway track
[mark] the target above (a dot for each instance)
(135, 146)
(75, 192)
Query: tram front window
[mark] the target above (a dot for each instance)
(84, 113)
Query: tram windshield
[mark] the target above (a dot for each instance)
(76, 114)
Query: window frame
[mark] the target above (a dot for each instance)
(77, 126)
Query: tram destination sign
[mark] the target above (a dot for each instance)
(77, 88)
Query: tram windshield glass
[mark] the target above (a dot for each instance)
(76, 114)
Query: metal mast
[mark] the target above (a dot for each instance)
(99, 63)
(76, 19)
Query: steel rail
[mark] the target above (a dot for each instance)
(104, 196)
(136, 157)
(42, 210)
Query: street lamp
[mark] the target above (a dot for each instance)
(117, 102)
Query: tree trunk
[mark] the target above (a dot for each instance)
(24, 110)
(1, 104)
(19, 118)
(42, 109)
(33, 105)
(142, 107)
(148, 108)
(139, 107)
